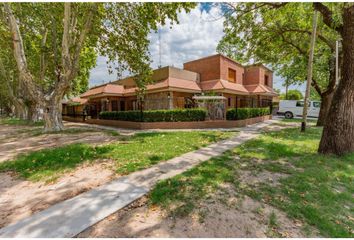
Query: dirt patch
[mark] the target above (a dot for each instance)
(20, 198)
(254, 178)
(21, 141)
(235, 216)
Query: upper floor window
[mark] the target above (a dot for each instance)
(266, 80)
(232, 75)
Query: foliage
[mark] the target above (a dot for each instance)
(293, 94)
(125, 37)
(175, 115)
(317, 190)
(244, 113)
(286, 29)
(55, 44)
(129, 153)
(43, 28)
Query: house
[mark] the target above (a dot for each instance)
(242, 86)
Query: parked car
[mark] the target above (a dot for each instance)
(292, 108)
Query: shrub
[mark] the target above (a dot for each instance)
(175, 115)
(243, 113)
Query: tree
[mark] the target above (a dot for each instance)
(338, 19)
(338, 132)
(292, 95)
(279, 34)
(60, 37)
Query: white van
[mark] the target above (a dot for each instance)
(294, 108)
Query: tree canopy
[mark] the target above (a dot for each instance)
(279, 35)
(293, 94)
(54, 45)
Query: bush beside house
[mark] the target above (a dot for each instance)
(244, 113)
(175, 115)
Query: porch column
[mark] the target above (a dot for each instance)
(259, 101)
(170, 100)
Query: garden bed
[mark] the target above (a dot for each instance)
(178, 125)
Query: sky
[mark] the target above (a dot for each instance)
(197, 35)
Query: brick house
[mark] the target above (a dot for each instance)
(242, 86)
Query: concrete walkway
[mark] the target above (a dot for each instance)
(70, 217)
(128, 132)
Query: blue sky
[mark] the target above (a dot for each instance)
(197, 35)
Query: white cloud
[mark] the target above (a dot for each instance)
(194, 37)
(197, 35)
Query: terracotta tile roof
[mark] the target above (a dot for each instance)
(220, 84)
(213, 85)
(169, 83)
(104, 89)
(79, 100)
(260, 89)
(183, 84)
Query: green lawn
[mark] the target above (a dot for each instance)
(19, 122)
(129, 153)
(317, 190)
(299, 120)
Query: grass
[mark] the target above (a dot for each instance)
(129, 153)
(316, 189)
(19, 122)
(299, 120)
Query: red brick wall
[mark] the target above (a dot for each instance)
(208, 68)
(255, 75)
(252, 76)
(225, 64)
(215, 67)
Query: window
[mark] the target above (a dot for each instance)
(317, 104)
(122, 106)
(266, 80)
(300, 104)
(232, 75)
(114, 105)
(229, 102)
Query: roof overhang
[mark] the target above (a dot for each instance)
(99, 95)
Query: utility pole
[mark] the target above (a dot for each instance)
(337, 62)
(286, 89)
(309, 72)
(160, 47)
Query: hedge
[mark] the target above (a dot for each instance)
(175, 115)
(244, 113)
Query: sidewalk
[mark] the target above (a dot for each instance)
(70, 217)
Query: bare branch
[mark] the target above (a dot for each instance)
(330, 44)
(298, 48)
(66, 61)
(42, 62)
(316, 86)
(20, 57)
(327, 15)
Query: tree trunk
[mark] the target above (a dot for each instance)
(327, 96)
(52, 116)
(33, 112)
(326, 100)
(20, 108)
(338, 131)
